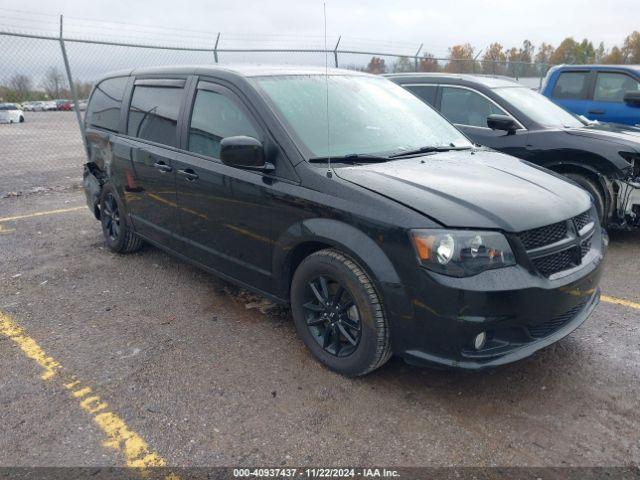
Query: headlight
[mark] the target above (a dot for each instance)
(461, 253)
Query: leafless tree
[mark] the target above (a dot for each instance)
(54, 83)
(21, 86)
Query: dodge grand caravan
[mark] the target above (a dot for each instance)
(345, 196)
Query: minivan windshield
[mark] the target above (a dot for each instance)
(538, 107)
(367, 115)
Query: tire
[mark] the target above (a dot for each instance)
(349, 333)
(594, 190)
(117, 230)
(21, 119)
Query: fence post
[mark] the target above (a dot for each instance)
(72, 87)
(473, 67)
(215, 48)
(335, 51)
(415, 58)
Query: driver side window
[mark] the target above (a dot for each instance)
(466, 107)
(215, 117)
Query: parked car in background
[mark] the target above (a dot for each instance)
(50, 106)
(607, 93)
(506, 116)
(82, 104)
(35, 106)
(61, 102)
(10, 113)
(65, 106)
(386, 230)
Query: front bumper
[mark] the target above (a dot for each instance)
(519, 311)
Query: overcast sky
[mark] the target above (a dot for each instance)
(392, 25)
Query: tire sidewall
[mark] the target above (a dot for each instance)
(116, 244)
(365, 353)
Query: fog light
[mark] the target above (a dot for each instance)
(480, 340)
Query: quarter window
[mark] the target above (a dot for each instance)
(215, 117)
(153, 114)
(571, 86)
(103, 110)
(611, 87)
(426, 93)
(466, 107)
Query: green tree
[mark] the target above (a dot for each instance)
(600, 53)
(631, 48)
(584, 52)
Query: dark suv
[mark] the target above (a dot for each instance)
(344, 195)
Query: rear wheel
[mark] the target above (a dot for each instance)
(338, 314)
(117, 231)
(21, 119)
(594, 189)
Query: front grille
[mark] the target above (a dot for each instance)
(582, 220)
(585, 246)
(547, 328)
(553, 262)
(539, 237)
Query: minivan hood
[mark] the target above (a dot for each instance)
(483, 189)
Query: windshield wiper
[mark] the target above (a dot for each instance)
(428, 149)
(351, 158)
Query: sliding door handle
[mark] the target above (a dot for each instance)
(189, 174)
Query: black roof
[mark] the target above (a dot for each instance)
(240, 70)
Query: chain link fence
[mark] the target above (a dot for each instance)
(46, 150)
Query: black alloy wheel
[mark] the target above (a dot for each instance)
(339, 314)
(118, 231)
(332, 316)
(111, 215)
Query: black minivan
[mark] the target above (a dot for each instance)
(344, 195)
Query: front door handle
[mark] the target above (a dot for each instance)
(596, 112)
(189, 174)
(163, 167)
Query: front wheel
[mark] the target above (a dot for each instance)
(117, 231)
(338, 314)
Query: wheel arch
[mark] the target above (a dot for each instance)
(586, 170)
(309, 236)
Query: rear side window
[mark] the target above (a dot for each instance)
(215, 117)
(571, 86)
(103, 110)
(426, 93)
(466, 107)
(153, 114)
(611, 87)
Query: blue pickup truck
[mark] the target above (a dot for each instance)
(607, 93)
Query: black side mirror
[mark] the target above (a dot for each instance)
(632, 98)
(502, 122)
(244, 152)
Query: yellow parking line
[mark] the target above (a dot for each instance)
(40, 214)
(620, 301)
(119, 436)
